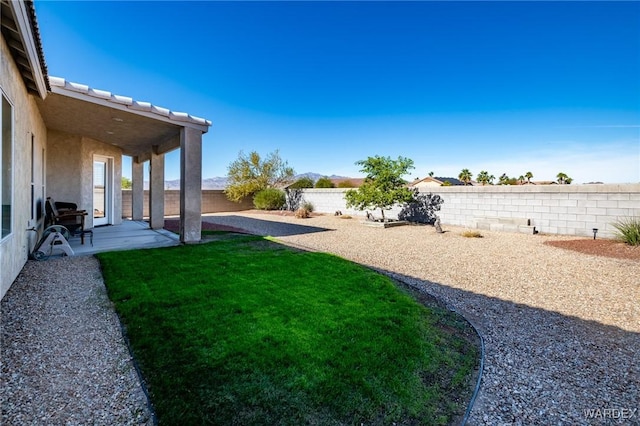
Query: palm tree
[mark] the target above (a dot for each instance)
(483, 177)
(465, 176)
(491, 179)
(430, 174)
(503, 180)
(521, 179)
(528, 175)
(562, 178)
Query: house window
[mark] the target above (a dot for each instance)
(6, 159)
(33, 183)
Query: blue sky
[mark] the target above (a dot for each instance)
(507, 87)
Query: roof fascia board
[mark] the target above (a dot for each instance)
(24, 28)
(123, 105)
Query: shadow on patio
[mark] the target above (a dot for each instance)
(126, 236)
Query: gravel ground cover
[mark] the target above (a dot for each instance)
(63, 358)
(561, 328)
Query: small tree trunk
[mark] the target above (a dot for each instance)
(384, 219)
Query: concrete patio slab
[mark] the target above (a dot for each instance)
(126, 236)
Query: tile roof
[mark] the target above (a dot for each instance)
(19, 28)
(130, 103)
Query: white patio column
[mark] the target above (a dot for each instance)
(190, 185)
(156, 190)
(137, 189)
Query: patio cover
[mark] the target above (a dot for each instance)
(141, 130)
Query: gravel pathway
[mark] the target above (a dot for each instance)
(561, 329)
(63, 357)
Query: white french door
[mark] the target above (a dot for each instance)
(102, 190)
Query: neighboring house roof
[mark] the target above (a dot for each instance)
(452, 181)
(430, 180)
(540, 182)
(19, 27)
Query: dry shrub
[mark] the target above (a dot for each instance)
(302, 213)
(471, 234)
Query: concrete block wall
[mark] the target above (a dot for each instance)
(213, 201)
(553, 209)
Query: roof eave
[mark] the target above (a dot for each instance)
(31, 42)
(123, 103)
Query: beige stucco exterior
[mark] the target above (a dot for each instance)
(59, 128)
(70, 171)
(28, 122)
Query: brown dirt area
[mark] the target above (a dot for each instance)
(602, 247)
(173, 225)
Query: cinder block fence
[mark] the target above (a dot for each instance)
(553, 209)
(213, 201)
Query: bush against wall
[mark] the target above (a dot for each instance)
(324, 182)
(269, 199)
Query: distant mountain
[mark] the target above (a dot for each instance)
(315, 176)
(221, 182)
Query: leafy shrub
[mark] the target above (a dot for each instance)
(303, 182)
(471, 234)
(324, 182)
(269, 199)
(308, 206)
(628, 230)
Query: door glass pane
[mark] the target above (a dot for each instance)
(99, 193)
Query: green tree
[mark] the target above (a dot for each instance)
(324, 182)
(504, 179)
(563, 179)
(383, 186)
(521, 179)
(303, 182)
(126, 183)
(483, 177)
(249, 174)
(529, 176)
(465, 176)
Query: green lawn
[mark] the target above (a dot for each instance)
(248, 331)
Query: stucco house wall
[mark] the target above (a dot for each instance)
(27, 125)
(70, 171)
